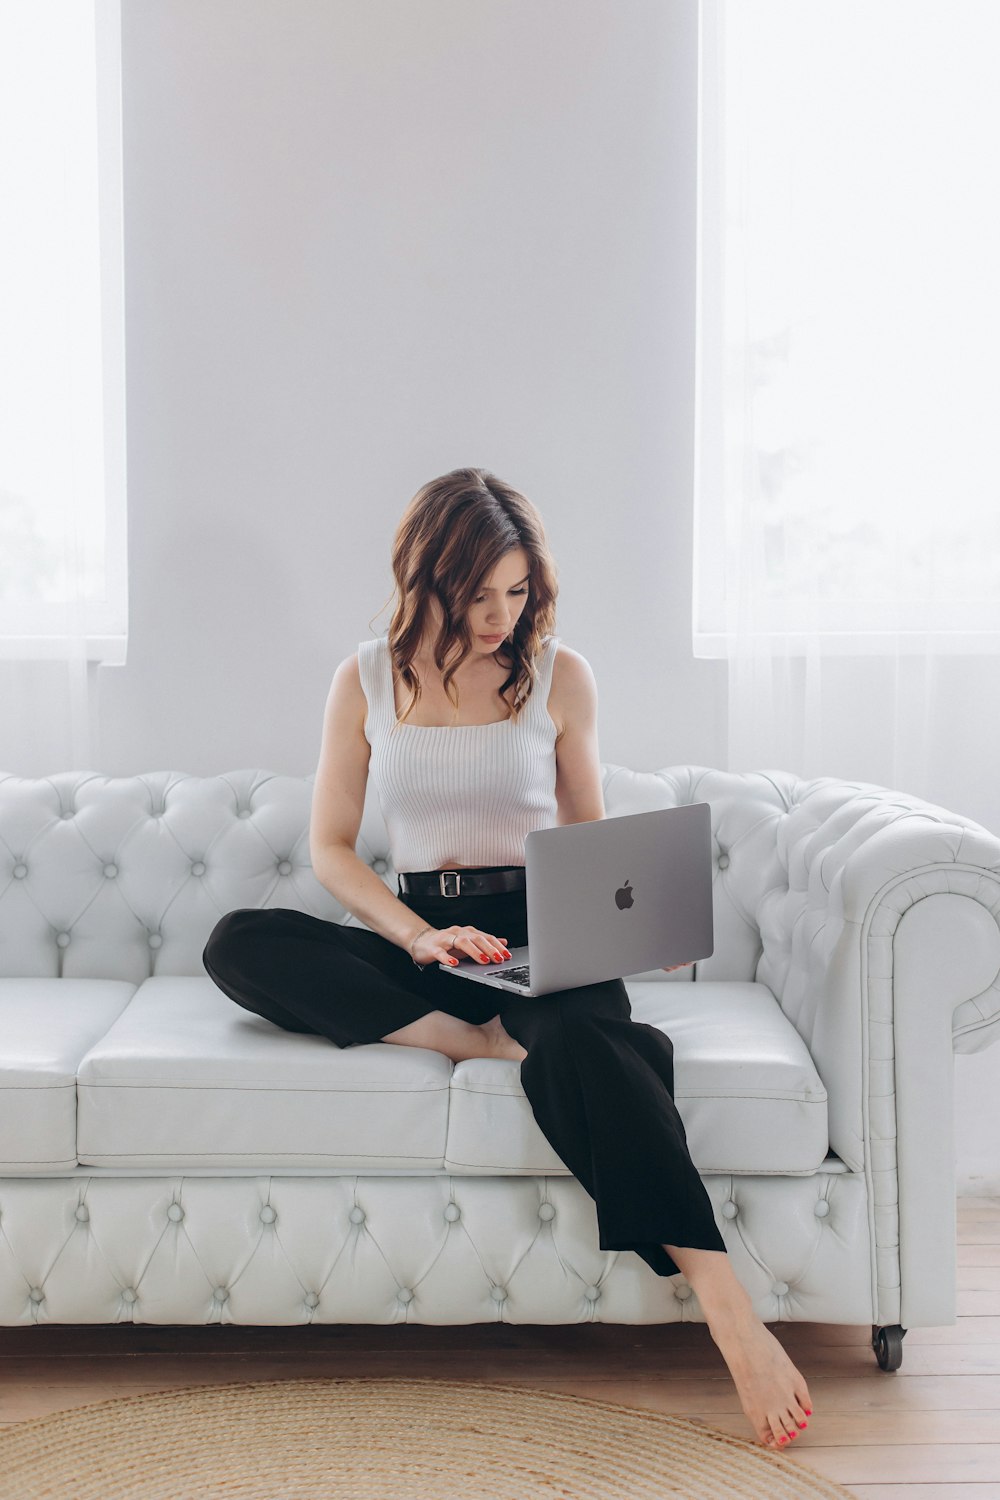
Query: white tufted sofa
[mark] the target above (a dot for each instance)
(167, 1157)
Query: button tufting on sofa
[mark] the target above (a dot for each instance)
(498, 1294)
(591, 1293)
(130, 1295)
(858, 923)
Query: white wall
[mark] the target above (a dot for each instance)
(368, 241)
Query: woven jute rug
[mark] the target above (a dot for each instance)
(373, 1439)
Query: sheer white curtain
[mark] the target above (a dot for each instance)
(847, 552)
(62, 499)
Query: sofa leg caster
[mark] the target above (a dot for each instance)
(888, 1345)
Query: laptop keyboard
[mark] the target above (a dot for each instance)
(518, 975)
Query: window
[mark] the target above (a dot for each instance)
(63, 582)
(847, 485)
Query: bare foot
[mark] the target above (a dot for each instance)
(500, 1042)
(773, 1394)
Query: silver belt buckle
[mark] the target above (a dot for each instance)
(443, 876)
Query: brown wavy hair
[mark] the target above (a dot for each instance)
(450, 538)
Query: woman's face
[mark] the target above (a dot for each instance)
(497, 606)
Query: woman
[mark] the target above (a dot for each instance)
(478, 726)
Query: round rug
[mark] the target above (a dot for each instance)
(373, 1439)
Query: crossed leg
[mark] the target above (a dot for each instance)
(773, 1393)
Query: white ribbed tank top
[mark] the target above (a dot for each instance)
(463, 792)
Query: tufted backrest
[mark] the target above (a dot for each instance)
(125, 877)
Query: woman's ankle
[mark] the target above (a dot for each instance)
(722, 1296)
(500, 1041)
(440, 1032)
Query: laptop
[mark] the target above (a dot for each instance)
(608, 898)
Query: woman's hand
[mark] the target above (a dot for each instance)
(669, 968)
(441, 943)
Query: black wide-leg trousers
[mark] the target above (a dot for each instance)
(600, 1085)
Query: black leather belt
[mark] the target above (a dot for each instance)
(461, 882)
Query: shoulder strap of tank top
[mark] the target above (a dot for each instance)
(539, 700)
(376, 679)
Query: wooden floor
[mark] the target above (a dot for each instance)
(929, 1430)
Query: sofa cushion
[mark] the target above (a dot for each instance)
(47, 1026)
(187, 1078)
(745, 1086)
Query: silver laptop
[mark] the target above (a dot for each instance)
(608, 898)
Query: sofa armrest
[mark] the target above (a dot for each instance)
(912, 973)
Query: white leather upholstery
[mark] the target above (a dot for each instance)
(398, 1249)
(185, 1078)
(43, 1035)
(856, 944)
(744, 1084)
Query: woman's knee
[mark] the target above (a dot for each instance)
(588, 1028)
(657, 1035)
(592, 1005)
(230, 934)
(542, 1027)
